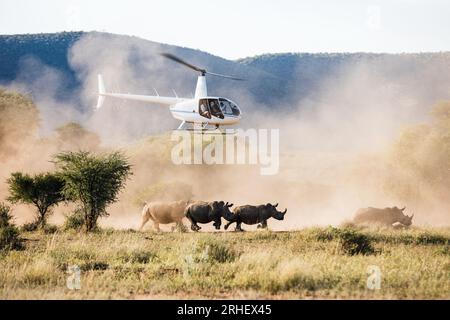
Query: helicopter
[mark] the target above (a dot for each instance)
(202, 111)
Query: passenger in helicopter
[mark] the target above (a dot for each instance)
(204, 111)
(215, 110)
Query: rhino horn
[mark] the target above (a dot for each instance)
(411, 216)
(403, 209)
(276, 205)
(229, 205)
(285, 210)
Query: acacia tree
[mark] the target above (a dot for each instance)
(43, 190)
(93, 181)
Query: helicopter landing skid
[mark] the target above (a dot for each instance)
(203, 128)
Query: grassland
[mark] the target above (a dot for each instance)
(308, 263)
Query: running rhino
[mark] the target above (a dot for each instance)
(205, 212)
(386, 216)
(163, 213)
(255, 214)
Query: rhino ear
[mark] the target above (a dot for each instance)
(268, 205)
(276, 205)
(229, 205)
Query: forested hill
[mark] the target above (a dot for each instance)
(271, 78)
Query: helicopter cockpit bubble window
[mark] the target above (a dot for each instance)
(203, 108)
(228, 107)
(225, 106)
(214, 108)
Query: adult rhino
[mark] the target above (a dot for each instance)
(163, 213)
(386, 216)
(205, 212)
(255, 214)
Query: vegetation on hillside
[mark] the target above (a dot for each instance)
(19, 121)
(420, 160)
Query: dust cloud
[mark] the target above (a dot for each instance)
(335, 144)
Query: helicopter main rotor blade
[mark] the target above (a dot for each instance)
(224, 76)
(176, 59)
(193, 67)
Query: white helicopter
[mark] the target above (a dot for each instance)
(202, 110)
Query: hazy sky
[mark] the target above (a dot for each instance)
(234, 29)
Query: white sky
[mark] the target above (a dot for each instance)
(235, 29)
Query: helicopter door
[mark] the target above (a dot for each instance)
(215, 109)
(203, 108)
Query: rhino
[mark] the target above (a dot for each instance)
(255, 214)
(205, 212)
(386, 216)
(163, 213)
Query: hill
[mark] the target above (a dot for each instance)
(272, 79)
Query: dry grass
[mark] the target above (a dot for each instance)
(300, 264)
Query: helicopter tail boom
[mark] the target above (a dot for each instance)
(168, 101)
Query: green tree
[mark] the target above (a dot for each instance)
(93, 181)
(43, 190)
(9, 234)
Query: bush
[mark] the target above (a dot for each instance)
(136, 256)
(353, 242)
(9, 234)
(10, 239)
(74, 221)
(210, 250)
(35, 225)
(5, 216)
(327, 234)
(31, 226)
(50, 229)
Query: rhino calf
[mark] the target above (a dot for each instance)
(391, 217)
(163, 213)
(255, 214)
(205, 212)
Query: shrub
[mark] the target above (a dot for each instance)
(50, 229)
(74, 221)
(136, 256)
(353, 242)
(10, 239)
(327, 234)
(5, 216)
(30, 226)
(210, 250)
(9, 234)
